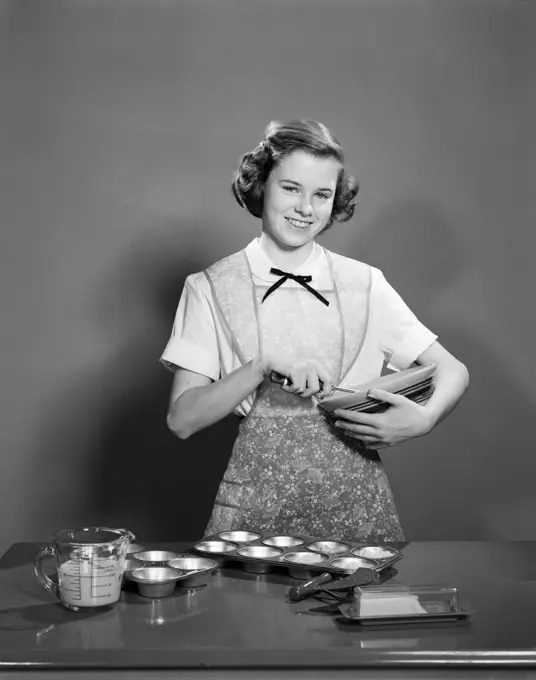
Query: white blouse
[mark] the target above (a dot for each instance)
(200, 342)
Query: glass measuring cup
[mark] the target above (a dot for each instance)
(89, 565)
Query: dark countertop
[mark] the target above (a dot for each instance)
(242, 620)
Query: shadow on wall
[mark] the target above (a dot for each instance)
(473, 475)
(161, 486)
(136, 473)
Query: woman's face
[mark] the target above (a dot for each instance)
(298, 198)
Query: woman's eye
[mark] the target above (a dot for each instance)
(323, 196)
(290, 188)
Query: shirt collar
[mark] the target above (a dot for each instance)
(261, 263)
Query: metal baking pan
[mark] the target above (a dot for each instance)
(415, 383)
(157, 572)
(302, 556)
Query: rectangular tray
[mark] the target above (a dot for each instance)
(323, 566)
(420, 395)
(396, 604)
(410, 382)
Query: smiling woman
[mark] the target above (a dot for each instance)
(281, 141)
(288, 305)
(298, 200)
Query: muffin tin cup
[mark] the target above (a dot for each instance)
(374, 552)
(156, 590)
(260, 553)
(349, 564)
(155, 582)
(196, 571)
(153, 558)
(240, 537)
(258, 562)
(331, 548)
(301, 573)
(216, 549)
(258, 567)
(284, 541)
(299, 563)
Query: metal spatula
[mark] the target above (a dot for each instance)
(362, 576)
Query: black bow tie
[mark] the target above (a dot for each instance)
(302, 280)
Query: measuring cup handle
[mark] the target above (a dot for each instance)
(40, 555)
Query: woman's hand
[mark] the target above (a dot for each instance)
(305, 377)
(402, 421)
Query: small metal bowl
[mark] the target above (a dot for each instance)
(155, 582)
(283, 541)
(239, 536)
(217, 550)
(259, 552)
(374, 552)
(201, 569)
(328, 547)
(349, 564)
(303, 558)
(154, 558)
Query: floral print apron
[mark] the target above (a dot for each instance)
(291, 470)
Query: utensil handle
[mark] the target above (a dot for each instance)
(40, 555)
(303, 590)
(388, 563)
(279, 379)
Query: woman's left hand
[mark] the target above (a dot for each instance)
(402, 421)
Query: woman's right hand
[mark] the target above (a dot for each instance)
(306, 378)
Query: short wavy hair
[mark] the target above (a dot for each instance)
(280, 140)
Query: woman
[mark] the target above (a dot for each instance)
(288, 305)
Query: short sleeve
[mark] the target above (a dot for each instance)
(402, 337)
(193, 343)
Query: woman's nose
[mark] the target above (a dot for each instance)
(304, 206)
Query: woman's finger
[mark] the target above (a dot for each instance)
(324, 376)
(297, 377)
(368, 439)
(312, 384)
(355, 428)
(367, 443)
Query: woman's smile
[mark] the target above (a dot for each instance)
(299, 224)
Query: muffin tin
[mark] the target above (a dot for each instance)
(157, 572)
(302, 556)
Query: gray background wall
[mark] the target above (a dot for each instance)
(121, 124)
